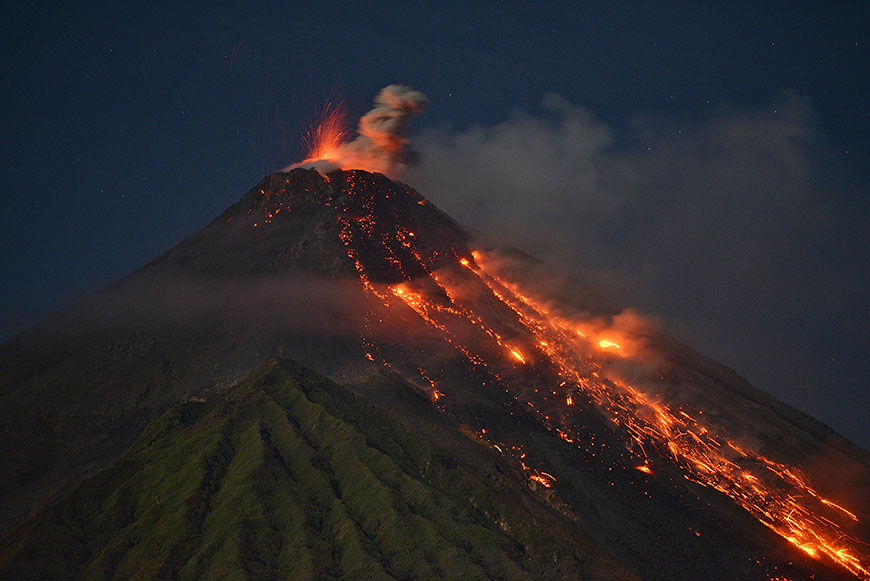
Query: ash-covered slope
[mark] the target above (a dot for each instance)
(671, 462)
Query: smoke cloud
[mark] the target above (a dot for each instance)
(734, 226)
(381, 145)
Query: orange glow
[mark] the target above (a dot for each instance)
(543, 479)
(645, 468)
(324, 140)
(517, 355)
(605, 344)
(840, 508)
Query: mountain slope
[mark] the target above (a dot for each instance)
(292, 476)
(670, 461)
(269, 276)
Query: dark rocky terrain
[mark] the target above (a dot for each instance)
(362, 279)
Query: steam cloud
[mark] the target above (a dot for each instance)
(381, 145)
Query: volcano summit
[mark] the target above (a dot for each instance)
(495, 419)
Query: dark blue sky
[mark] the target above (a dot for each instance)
(129, 127)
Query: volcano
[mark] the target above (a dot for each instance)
(336, 379)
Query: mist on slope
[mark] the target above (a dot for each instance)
(292, 301)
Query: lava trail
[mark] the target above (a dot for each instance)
(436, 306)
(428, 284)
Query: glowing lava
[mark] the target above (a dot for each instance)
(324, 140)
(778, 495)
(484, 330)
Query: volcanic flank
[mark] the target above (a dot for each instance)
(472, 373)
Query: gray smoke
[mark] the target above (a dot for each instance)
(381, 145)
(730, 225)
(382, 130)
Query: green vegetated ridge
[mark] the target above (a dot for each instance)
(289, 476)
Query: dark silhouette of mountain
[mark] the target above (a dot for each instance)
(637, 454)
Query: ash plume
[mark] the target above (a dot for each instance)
(381, 145)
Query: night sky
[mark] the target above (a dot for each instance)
(704, 164)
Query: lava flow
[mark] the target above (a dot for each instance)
(778, 495)
(437, 307)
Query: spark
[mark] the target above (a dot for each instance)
(326, 137)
